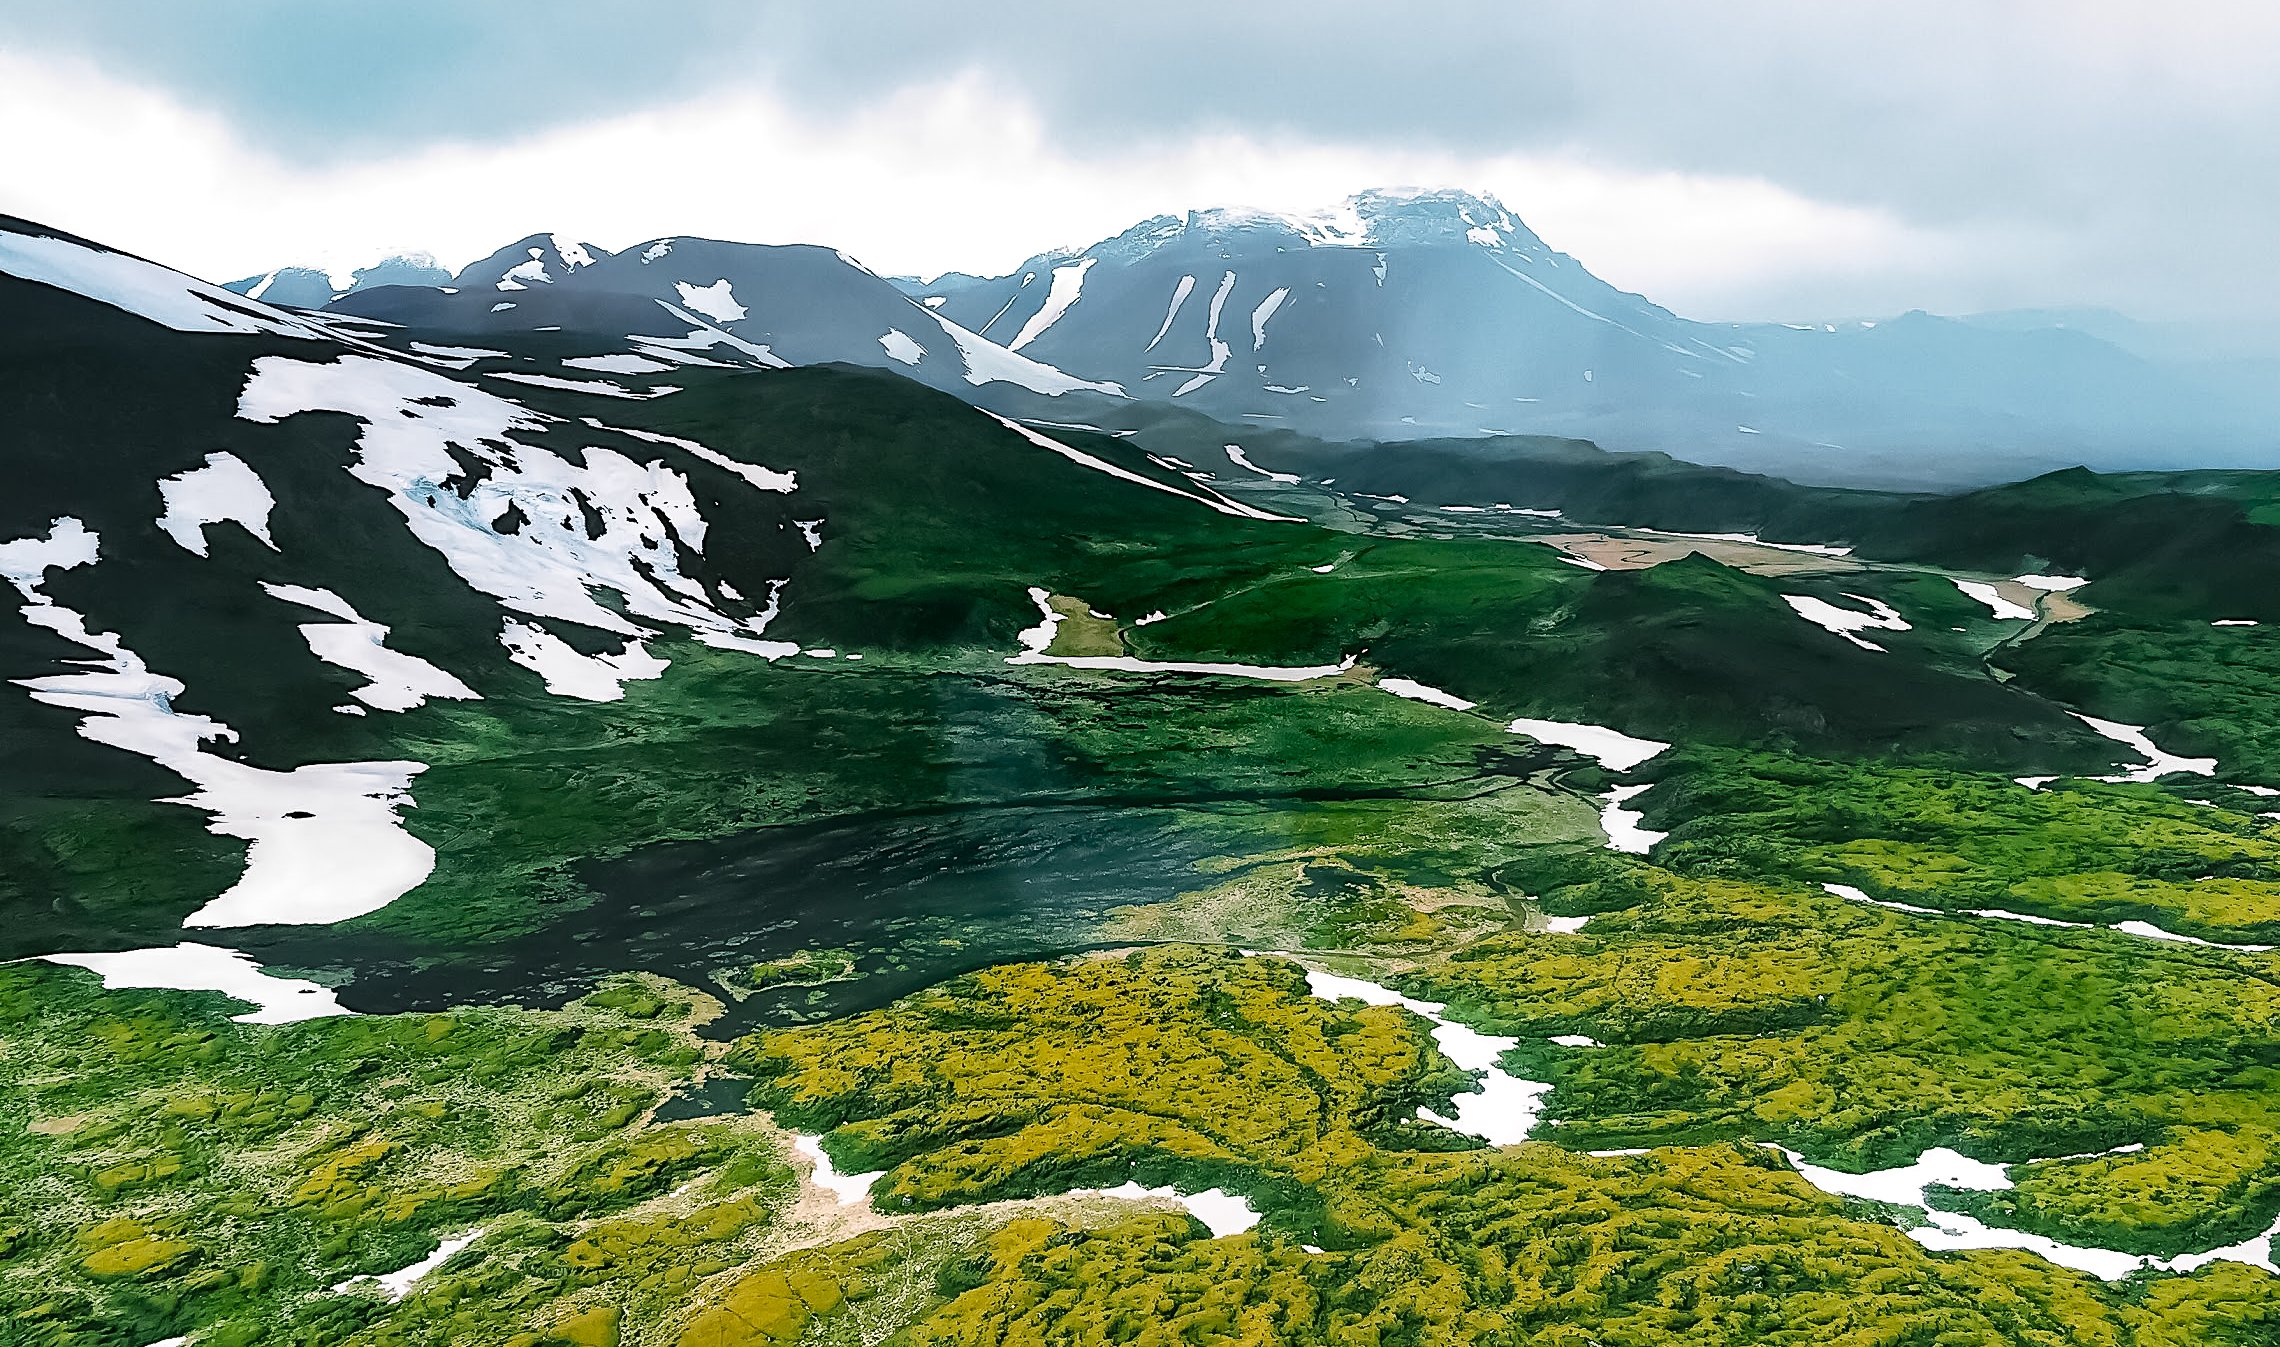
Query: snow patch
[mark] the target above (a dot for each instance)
(618, 364)
(325, 841)
(1905, 1185)
(1622, 825)
(145, 289)
(988, 362)
(1180, 293)
(1809, 549)
(413, 418)
(522, 275)
(1261, 314)
(2003, 609)
(1213, 500)
(1615, 751)
(398, 1284)
(848, 1188)
(2143, 930)
(207, 968)
(1127, 664)
(1236, 456)
(600, 387)
(716, 301)
(2146, 930)
(1222, 1213)
(593, 678)
(1038, 639)
(704, 336)
(767, 479)
(1419, 692)
(1219, 348)
(223, 491)
(1845, 621)
(899, 346)
(399, 681)
(466, 353)
(573, 255)
(2157, 763)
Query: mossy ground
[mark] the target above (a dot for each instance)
(1217, 1069)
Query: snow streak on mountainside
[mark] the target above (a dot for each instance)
(1399, 315)
(142, 288)
(739, 303)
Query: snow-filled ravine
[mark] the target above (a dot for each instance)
(1905, 1185)
(1617, 752)
(1504, 1110)
(1222, 1212)
(2143, 930)
(398, 1284)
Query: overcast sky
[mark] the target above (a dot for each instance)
(1750, 159)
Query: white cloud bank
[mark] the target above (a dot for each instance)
(951, 174)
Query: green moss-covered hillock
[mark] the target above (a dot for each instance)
(1205, 1068)
(167, 1170)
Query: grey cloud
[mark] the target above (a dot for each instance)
(2095, 151)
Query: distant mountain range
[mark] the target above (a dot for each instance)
(1397, 315)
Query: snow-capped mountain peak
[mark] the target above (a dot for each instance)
(1378, 218)
(308, 287)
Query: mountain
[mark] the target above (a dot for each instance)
(313, 287)
(1405, 314)
(541, 259)
(1396, 315)
(658, 304)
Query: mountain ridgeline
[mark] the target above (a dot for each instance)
(1396, 316)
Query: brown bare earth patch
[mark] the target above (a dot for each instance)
(1638, 554)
